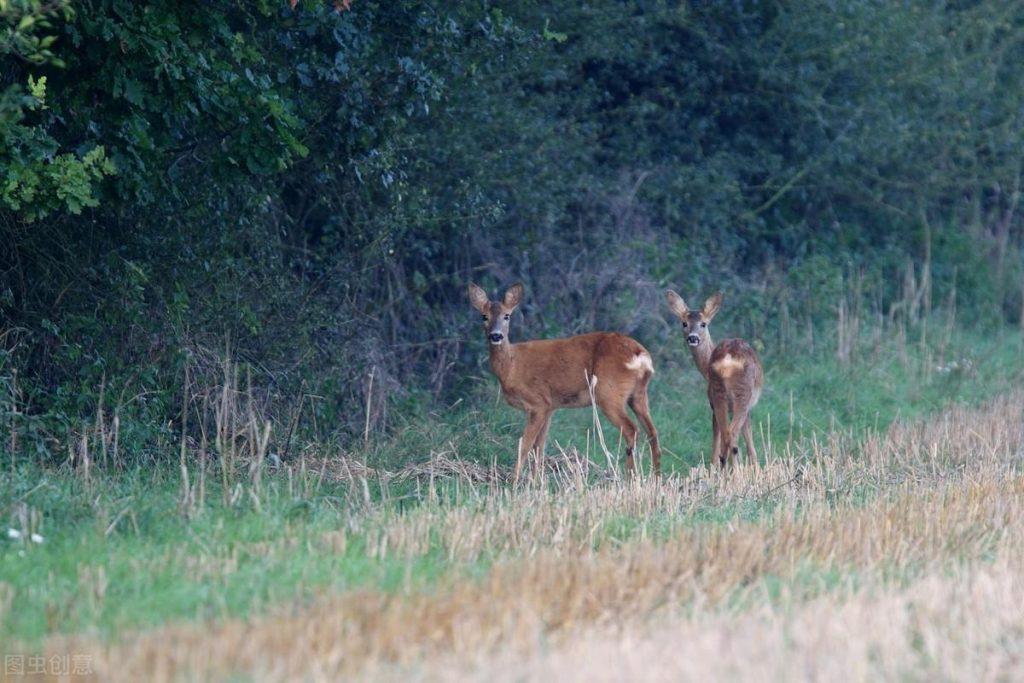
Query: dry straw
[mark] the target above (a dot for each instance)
(895, 556)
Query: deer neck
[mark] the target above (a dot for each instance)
(502, 360)
(702, 355)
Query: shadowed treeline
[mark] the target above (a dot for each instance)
(306, 190)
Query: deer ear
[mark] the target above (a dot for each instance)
(513, 296)
(676, 303)
(478, 298)
(711, 306)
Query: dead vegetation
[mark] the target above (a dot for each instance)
(945, 625)
(897, 555)
(565, 466)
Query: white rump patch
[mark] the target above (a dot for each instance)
(729, 366)
(641, 361)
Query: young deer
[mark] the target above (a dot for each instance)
(539, 377)
(734, 375)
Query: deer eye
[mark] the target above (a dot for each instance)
(507, 316)
(703, 324)
(686, 324)
(484, 318)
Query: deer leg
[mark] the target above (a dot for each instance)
(534, 422)
(739, 419)
(720, 423)
(615, 410)
(748, 437)
(638, 402)
(716, 437)
(542, 438)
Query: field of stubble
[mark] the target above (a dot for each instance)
(897, 555)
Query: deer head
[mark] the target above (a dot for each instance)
(496, 314)
(695, 323)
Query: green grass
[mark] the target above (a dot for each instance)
(119, 554)
(803, 395)
(161, 566)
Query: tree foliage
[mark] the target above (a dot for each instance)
(311, 184)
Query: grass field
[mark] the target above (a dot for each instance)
(883, 537)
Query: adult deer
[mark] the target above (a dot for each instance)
(734, 375)
(539, 377)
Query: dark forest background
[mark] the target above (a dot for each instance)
(308, 188)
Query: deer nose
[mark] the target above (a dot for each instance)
(693, 340)
(496, 337)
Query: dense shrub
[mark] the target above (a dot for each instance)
(308, 187)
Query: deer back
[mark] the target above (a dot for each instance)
(554, 373)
